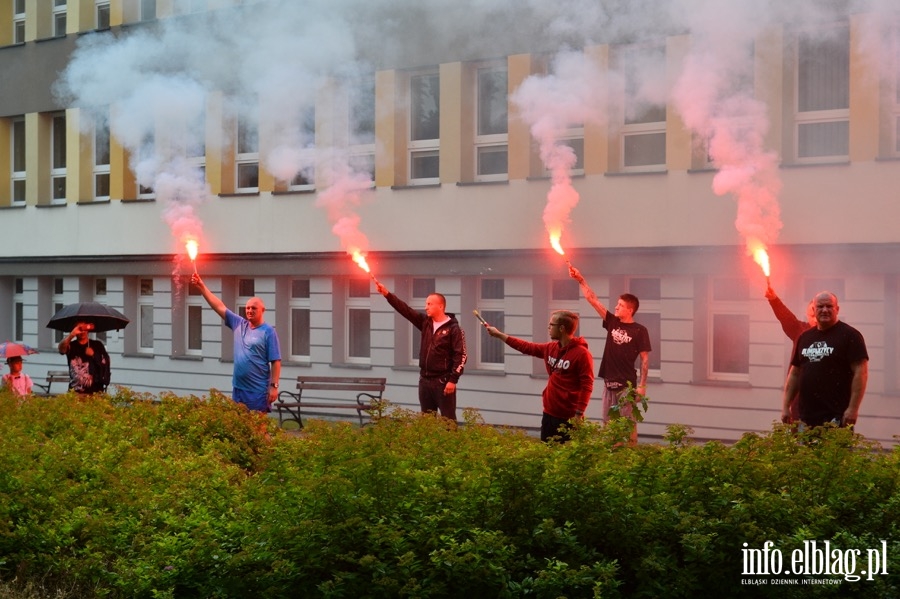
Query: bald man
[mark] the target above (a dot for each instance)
(257, 353)
(829, 369)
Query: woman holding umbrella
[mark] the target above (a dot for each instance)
(88, 361)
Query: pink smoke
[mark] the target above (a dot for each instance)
(551, 104)
(340, 200)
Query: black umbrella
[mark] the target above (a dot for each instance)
(101, 316)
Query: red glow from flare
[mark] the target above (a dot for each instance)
(360, 259)
(554, 241)
(761, 257)
(192, 248)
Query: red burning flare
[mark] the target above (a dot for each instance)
(360, 259)
(192, 248)
(761, 257)
(555, 236)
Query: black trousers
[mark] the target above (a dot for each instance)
(432, 398)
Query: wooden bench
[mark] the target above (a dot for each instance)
(53, 376)
(368, 393)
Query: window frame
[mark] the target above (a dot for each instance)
(145, 300)
(18, 24)
(99, 169)
(491, 141)
(819, 117)
(59, 14)
(246, 152)
(422, 148)
(726, 307)
(303, 303)
(489, 308)
(58, 137)
(356, 303)
(18, 176)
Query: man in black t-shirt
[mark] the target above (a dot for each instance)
(625, 341)
(829, 369)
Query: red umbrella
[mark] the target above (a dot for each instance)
(10, 349)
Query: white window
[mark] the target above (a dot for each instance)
(58, 300)
(491, 127)
(247, 157)
(145, 315)
(19, 22)
(18, 161)
(300, 320)
(358, 319)
(59, 18)
(145, 155)
(148, 10)
(729, 330)
(102, 14)
(101, 159)
(19, 311)
(895, 110)
(823, 94)
(643, 137)
(490, 351)
(58, 159)
(362, 127)
(424, 128)
(193, 314)
(246, 290)
(305, 179)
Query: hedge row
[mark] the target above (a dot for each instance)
(182, 497)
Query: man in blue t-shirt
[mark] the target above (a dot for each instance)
(257, 354)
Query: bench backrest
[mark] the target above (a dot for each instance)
(57, 376)
(341, 383)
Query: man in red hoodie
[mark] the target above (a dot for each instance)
(570, 366)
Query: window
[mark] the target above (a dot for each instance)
(895, 105)
(823, 94)
(246, 290)
(59, 18)
(300, 319)
(18, 161)
(58, 159)
(194, 321)
(145, 315)
(247, 158)
(643, 137)
(421, 289)
(19, 22)
(305, 179)
(19, 311)
(564, 290)
(362, 127)
(102, 14)
(359, 328)
(424, 128)
(100, 287)
(101, 159)
(145, 154)
(490, 305)
(491, 139)
(649, 314)
(58, 302)
(148, 10)
(729, 330)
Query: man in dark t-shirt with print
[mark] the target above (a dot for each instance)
(829, 369)
(625, 341)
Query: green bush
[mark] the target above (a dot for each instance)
(138, 496)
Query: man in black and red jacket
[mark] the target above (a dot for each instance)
(442, 357)
(570, 366)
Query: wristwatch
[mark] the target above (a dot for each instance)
(273, 385)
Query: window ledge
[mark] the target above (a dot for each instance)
(351, 366)
(635, 173)
(239, 194)
(729, 384)
(147, 356)
(16, 206)
(63, 205)
(290, 192)
(548, 177)
(841, 162)
(475, 183)
(422, 186)
(187, 358)
(138, 200)
(92, 202)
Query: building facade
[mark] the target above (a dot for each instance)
(456, 205)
